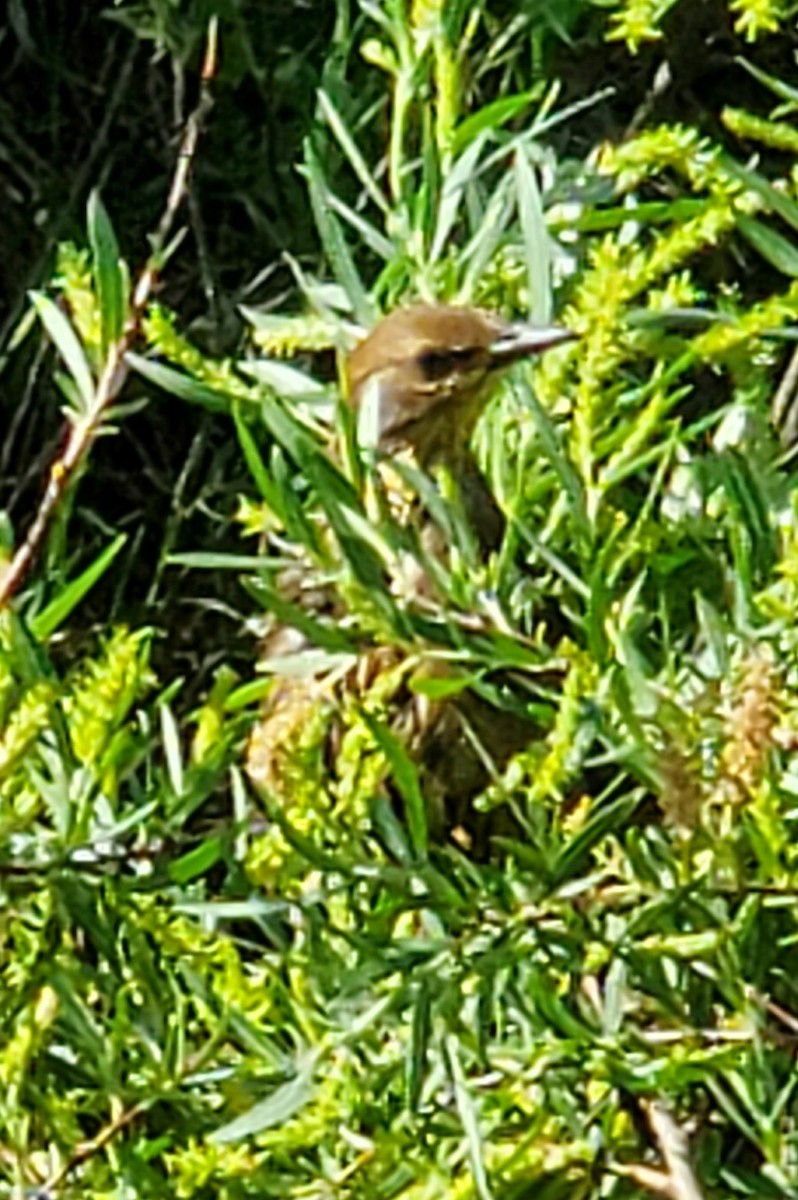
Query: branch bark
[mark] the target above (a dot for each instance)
(84, 430)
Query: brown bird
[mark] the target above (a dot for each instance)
(421, 377)
(418, 381)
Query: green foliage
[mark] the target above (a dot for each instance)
(65, 737)
(287, 942)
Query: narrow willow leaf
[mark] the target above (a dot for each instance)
(679, 320)
(452, 194)
(405, 776)
(172, 749)
(335, 245)
(468, 1118)
(326, 637)
(607, 819)
(351, 150)
(197, 861)
(177, 383)
(779, 88)
(440, 688)
(285, 1102)
(651, 212)
(75, 1012)
(554, 1010)
(285, 380)
(493, 116)
(255, 908)
(382, 246)
(482, 247)
(390, 828)
(206, 560)
(350, 526)
(67, 343)
(418, 1045)
(754, 527)
(776, 201)
(536, 239)
(45, 623)
(339, 499)
(553, 448)
(20, 331)
(294, 437)
(70, 390)
(108, 277)
(257, 467)
(715, 659)
(773, 246)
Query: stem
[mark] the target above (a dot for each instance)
(115, 369)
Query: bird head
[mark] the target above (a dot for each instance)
(423, 374)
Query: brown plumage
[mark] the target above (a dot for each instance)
(418, 382)
(421, 377)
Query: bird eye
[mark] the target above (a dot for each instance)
(437, 364)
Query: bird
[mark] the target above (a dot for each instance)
(417, 382)
(421, 377)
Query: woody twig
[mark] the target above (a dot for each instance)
(84, 429)
(675, 1180)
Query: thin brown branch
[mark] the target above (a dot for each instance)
(118, 1124)
(675, 1150)
(84, 429)
(675, 1180)
(111, 103)
(86, 1150)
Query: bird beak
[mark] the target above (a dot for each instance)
(521, 341)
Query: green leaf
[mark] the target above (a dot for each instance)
(276, 487)
(376, 241)
(553, 448)
(390, 828)
(177, 383)
(340, 502)
(554, 1010)
(351, 150)
(481, 250)
(286, 381)
(779, 88)
(439, 687)
(715, 659)
(774, 248)
(335, 246)
(453, 194)
(405, 776)
(170, 733)
(609, 817)
(45, 623)
(257, 467)
(67, 343)
(217, 561)
(108, 277)
(492, 116)
(776, 201)
(197, 861)
(418, 1045)
(536, 239)
(292, 435)
(283, 1104)
(651, 212)
(329, 637)
(468, 1118)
